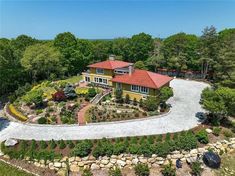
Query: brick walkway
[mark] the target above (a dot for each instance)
(81, 113)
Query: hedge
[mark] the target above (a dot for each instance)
(13, 111)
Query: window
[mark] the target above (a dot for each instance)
(100, 71)
(87, 79)
(100, 80)
(135, 88)
(119, 86)
(140, 89)
(105, 81)
(144, 89)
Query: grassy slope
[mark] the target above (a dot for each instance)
(228, 165)
(7, 170)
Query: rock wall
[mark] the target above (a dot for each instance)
(129, 160)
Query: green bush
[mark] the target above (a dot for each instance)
(33, 96)
(43, 144)
(142, 170)
(42, 120)
(91, 92)
(159, 138)
(227, 133)
(151, 103)
(216, 131)
(202, 137)
(103, 147)
(196, 168)
(145, 149)
(119, 148)
(115, 172)
(82, 148)
(133, 148)
(62, 144)
(127, 99)
(52, 144)
(168, 137)
(168, 170)
(71, 144)
(135, 102)
(87, 172)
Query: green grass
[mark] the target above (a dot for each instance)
(7, 170)
(227, 167)
(74, 79)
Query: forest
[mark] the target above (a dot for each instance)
(26, 60)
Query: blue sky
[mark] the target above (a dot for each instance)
(44, 19)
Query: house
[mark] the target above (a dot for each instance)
(122, 75)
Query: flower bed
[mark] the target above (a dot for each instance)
(15, 113)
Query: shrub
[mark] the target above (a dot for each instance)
(87, 172)
(91, 92)
(150, 139)
(168, 170)
(216, 131)
(33, 96)
(43, 144)
(59, 96)
(119, 148)
(151, 103)
(162, 149)
(115, 172)
(82, 148)
(142, 170)
(133, 148)
(42, 120)
(202, 137)
(196, 168)
(53, 144)
(71, 144)
(127, 99)
(16, 113)
(39, 111)
(168, 137)
(159, 138)
(62, 144)
(69, 91)
(227, 133)
(135, 102)
(145, 149)
(103, 147)
(141, 104)
(118, 95)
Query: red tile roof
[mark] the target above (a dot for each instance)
(143, 78)
(110, 64)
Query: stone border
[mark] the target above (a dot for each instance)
(18, 167)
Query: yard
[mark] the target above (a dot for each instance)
(7, 170)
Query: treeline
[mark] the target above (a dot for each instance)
(28, 60)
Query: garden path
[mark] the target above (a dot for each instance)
(185, 105)
(81, 114)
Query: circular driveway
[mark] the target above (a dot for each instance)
(185, 104)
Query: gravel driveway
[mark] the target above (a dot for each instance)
(185, 104)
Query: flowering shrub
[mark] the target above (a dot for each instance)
(16, 113)
(81, 90)
(59, 96)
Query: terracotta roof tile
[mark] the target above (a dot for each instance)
(143, 78)
(110, 64)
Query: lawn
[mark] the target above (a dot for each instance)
(7, 170)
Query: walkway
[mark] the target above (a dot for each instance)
(185, 104)
(81, 114)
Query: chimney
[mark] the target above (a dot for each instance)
(111, 57)
(131, 69)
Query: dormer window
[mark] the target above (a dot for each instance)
(100, 71)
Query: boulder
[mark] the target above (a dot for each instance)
(143, 160)
(121, 163)
(81, 164)
(104, 162)
(208, 130)
(57, 164)
(135, 161)
(95, 166)
(74, 168)
(113, 161)
(62, 172)
(10, 142)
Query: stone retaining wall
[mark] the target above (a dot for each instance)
(129, 160)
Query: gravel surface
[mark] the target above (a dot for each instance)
(185, 104)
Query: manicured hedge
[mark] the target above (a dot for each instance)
(14, 112)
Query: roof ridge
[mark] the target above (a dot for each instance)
(151, 77)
